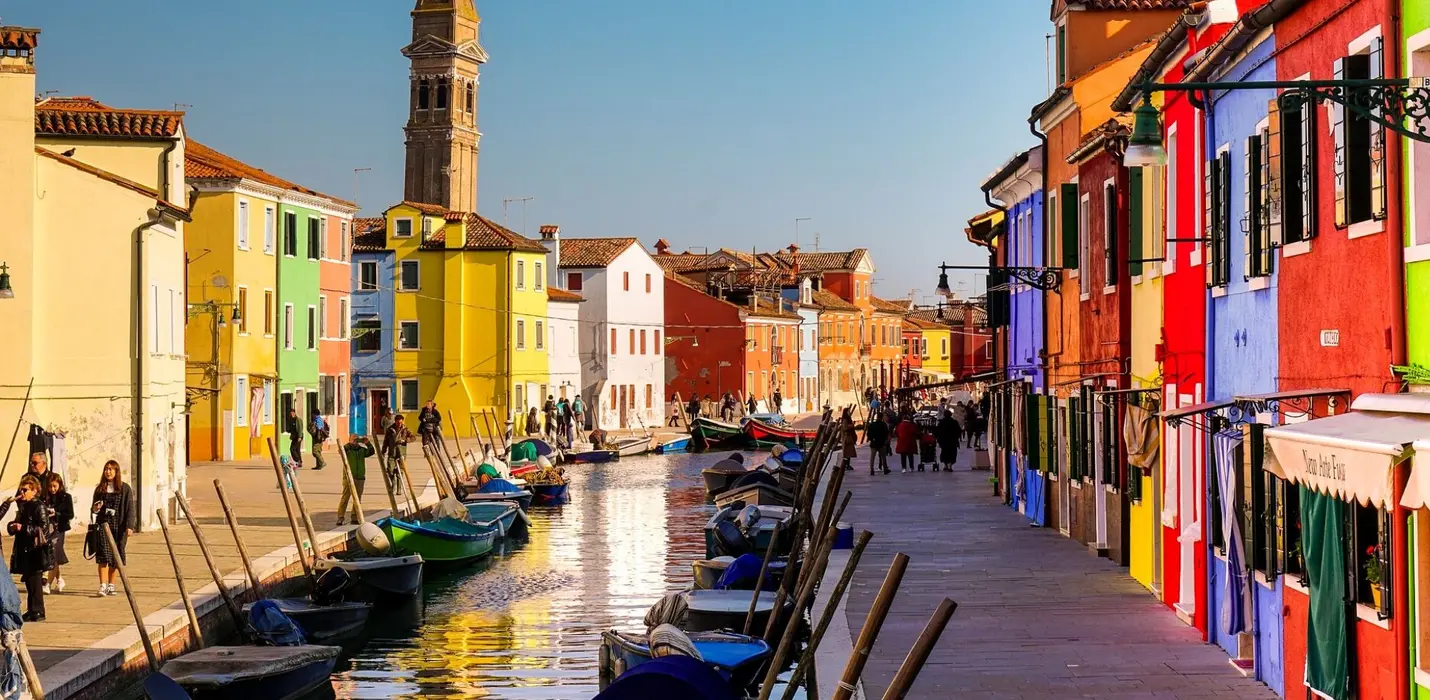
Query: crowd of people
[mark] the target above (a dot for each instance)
(728, 407)
(923, 435)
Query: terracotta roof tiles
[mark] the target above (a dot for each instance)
(484, 234)
(369, 234)
(204, 163)
(554, 294)
(888, 307)
(429, 209)
(593, 252)
(85, 116)
(1133, 4)
(829, 301)
(824, 262)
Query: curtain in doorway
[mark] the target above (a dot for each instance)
(1140, 431)
(1236, 598)
(1322, 533)
(255, 411)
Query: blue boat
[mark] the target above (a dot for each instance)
(670, 677)
(502, 516)
(500, 490)
(245, 673)
(550, 494)
(736, 657)
(679, 444)
(792, 457)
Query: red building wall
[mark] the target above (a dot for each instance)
(692, 370)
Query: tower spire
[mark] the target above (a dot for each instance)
(442, 137)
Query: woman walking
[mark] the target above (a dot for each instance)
(850, 438)
(63, 506)
(32, 555)
(113, 506)
(949, 434)
(906, 438)
(877, 432)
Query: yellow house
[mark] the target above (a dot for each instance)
(937, 347)
(94, 208)
(469, 328)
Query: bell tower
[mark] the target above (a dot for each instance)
(442, 136)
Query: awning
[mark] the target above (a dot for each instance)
(937, 376)
(1351, 456)
(1175, 414)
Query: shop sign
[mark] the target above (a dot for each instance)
(1331, 339)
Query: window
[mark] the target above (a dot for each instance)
(312, 328)
(642, 341)
(242, 225)
(647, 283)
(943, 346)
(1217, 200)
(1359, 162)
(242, 310)
(626, 281)
(240, 400)
(1257, 224)
(471, 98)
(408, 278)
(407, 395)
(345, 329)
(290, 234)
(520, 335)
(426, 229)
(573, 281)
(314, 239)
(1296, 134)
(1067, 220)
(402, 228)
(655, 342)
(1061, 48)
(344, 241)
(322, 316)
(631, 343)
(287, 327)
(367, 276)
(327, 395)
(521, 274)
(1109, 234)
(441, 93)
(1369, 533)
(1084, 279)
(614, 401)
(367, 335)
(540, 336)
(342, 395)
(408, 335)
(650, 398)
(424, 94)
(268, 233)
(268, 402)
(540, 281)
(613, 341)
(323, 251)
(268, 312)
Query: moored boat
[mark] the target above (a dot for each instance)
(593, 456)
(500, 490)
(379, 577)
(502, 516)
(325, 622)
(708, 572)
(632, 446)
(736, 656)
(714, 610)
(550, 494)
(444, 542)
(758, 540)
(677, 444)
(721, 475)
(779, 433)
(246, 673)
(755, 494)
(714, 433)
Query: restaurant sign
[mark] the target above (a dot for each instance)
(1337, 470)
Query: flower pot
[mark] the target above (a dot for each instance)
(1375, 595)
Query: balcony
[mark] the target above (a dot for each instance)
(777, 355)
(866, 349)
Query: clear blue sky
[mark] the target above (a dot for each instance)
(707, 123)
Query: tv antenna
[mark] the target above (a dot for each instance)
(509, 200)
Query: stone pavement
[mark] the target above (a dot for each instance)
(1038, 616)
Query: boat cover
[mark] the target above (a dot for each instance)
(741, 573)
(524, 451)
(670, 677)
(755, 477)
(216, 666)
(499, 486)
(488, 471)
(272, 626)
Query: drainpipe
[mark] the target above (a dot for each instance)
(1400, 601)
(1047, 245)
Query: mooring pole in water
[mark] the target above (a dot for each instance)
(194, 628)
(287, 506)
(133, 602)
(233, 609)
(806, 591)
(466, 474)
(872, 624)
(760, 582)
(307, 526)
(232, 519)
(804, 670)
(919, 654)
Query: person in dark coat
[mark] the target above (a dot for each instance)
(394, 451)
(750, 403)
(294, 426)
(949, 435)
(113, 506)
(877, 432)
(692, 408)
(31, 555)
(62, 505)
(850, 437)
(906, 443)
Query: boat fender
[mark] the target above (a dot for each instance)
(501, 527)
(773, 464)
(524, 517)
(543, 462)
(372, 539)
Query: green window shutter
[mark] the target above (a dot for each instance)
(1067, 193)
(1045, 420)
(1134, 221)
(1074, 440)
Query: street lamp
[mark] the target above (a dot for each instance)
(943, 289)
(6, 292)
(1144, 147)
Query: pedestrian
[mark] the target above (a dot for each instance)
(428, 422)
(674, 413)
(949, 435)
(533, 424)
(578, 413)
(971, 425)
(906, 438)
(394, 450)
(319, 431)
(40, 469)
(692, 409)
(778, 400)
(707, 407)
(980, 426)
(877, 432)
(62, 505)
(355, 453)
(828, 414)
(751, 404)
(548, 410)
(31, 555)
(113, 506)
(294, 426)
(563, 418)
(850, 438)
(928, 448)
(727, 408)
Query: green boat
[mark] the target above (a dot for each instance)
(446, 542)
(713, 433)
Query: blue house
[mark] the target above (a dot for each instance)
(808, 345)
(1018, 186)
(374, 274)
(1245, 610)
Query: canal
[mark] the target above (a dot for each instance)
(527, 623)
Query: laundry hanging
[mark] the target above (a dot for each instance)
(1235, 613)
(1141, 432)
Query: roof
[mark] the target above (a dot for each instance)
(1167, 45)
(369, 234)
(107, 176)
(554, 294)
(204, 163)
(1132, 4)
(1110, 130)
(485, 234)
(593, 252)
(428, 209)
(824, 262)
(1042, 108)
(829, 301)
(86, 116)
(763, 307)
(1006, 170)
(889, 307)
(682, 262)
(916, 324)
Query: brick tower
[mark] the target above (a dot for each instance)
(442, 137)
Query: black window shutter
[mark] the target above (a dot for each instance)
(1109, 268)
(1309, 161)
(1223, 253)
(1068, 194)
(1134, 221)
(1377, 136)
(1339, 125)
(1209, 199)
(1273, 180)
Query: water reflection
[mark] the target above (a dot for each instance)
(527, 624)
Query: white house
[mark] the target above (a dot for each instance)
(563, 320)
(622, 324)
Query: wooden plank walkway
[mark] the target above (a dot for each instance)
(1038, 615)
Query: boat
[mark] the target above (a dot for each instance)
(526, 450)
(764, 531)
(379, 577)
(780, 433)
(444, 542)
(791, 457)
(714, 433)
(721, 475)
(755, 494)
(325, 622)
(502, 516)
(707, 572)
(678, 444)
(632, 446)
(500, 490)
(550, 494)
(715, 610)
(245, 673)
(736, 656)
(593, 456)
(669, 677)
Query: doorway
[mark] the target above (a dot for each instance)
(623, 402)
(379, 403)
(1187, 514)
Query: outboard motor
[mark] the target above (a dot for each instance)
(730, 541)
(332, 587)
(748, 518)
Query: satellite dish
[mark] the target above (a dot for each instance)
(219, 281)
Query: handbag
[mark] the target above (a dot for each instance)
(92, 541)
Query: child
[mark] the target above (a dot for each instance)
(63, 506)
(928, 449)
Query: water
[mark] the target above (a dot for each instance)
(527, 623)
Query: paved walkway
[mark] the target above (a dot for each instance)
(1038, 616)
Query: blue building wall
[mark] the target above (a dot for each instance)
(1025, 326)
(1242, 342)
(372, 370)
(809, 359)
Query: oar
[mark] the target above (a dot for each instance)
(194, 629)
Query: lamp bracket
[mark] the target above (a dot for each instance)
(1047, 279)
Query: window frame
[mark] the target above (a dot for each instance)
(370, 327)
(270, 232)
(403, 391)
(315, 238)
(240, 301)
(520, 275)
(240, 400)
(540, 335)
(290, 234)
(323, 317)
(580, 281)
(312, 327)
(270, 311)
(289, 326)
(402, 266)
(364, 266)
(520, 333)
(397, 223)
(241, 227)
(345, 321)
(401, 340)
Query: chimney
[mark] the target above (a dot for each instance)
(662, 247)
(551, 238)
(794, 249)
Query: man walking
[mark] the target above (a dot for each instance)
(877, 432)
(294, 426)
(355, 453)
(319, 431)
(394, 449)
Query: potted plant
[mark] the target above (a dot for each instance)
(1373, 572)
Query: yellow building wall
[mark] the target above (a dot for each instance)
(940, 350)
(530, 366)
(1144, 525)
(480, 376)
(1093, 92)
(130, 159)
(17, 244)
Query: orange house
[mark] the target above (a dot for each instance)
(838, 349)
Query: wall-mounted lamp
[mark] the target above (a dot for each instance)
(6, 292)
(694, 341)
